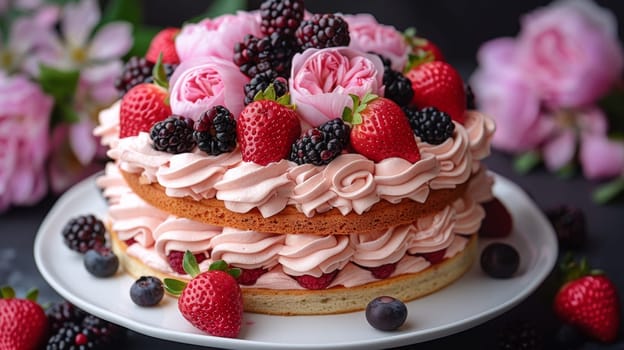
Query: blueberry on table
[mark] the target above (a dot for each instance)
(386, 313)
(147, 291)
(101, 262)
(500, 260)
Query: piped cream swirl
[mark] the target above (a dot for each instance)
(180, 234)
(307, 254)
(134, 219)
(247, 249)
(396, 178)
(453, 157)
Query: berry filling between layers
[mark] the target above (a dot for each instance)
(298, 261)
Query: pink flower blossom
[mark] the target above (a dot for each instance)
(322, 80)
(572, 52)
(202, 83)
(368, 35)
(216, 37)
(24, 120)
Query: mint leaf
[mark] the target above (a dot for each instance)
(218, 265)
(173, 286)
(190, 265)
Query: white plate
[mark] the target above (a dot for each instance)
(473, 299)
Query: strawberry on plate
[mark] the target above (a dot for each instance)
(163, 43)
(23, 323)
(267, 127)
(588, 301)
(380, 129)
(212, 301)
(141, 107)
(437, 84)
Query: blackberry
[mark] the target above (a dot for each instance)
(520, 335)
(90, 333)
(322, 31)
(430, 124)
(173, 135)
(215, 131)
(569, 224)
(106, 333)
(398, 87)
(322, 144)
(138, 70)
(274, 52)
(281, 16)
(84, 232)
(61, 313)
(262, 81)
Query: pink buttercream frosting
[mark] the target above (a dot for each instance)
(247, 249)
(136, 155)
(468, 215)
(112, 183)
(396, 178)
(351, 178)
(181, 234)
(379, 248)
(132, 218)
(308, 254)
(432, 233)
(480, 131)
(108, 127)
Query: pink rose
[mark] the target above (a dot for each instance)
(202, 83)
(24, 120)
(503, 92)
(216, 37)
(572, 51)
(368, 35)
(322, 80)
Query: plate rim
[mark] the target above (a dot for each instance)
(393, 339)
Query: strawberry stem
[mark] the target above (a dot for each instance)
(572, 269)
(159, 74)
(32, 294)
(223, 266)
(271, 95)
(189, 264)
(7, 292)
(353, 115)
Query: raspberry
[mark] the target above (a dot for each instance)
(215, 131)
(175, 258)
(282, 16)
(322, 31)
(434, 257)
(261, 82)
(248, 277)
(322, 144)
(383, 271)
(311, 282)
(83, 233)
(139, 70)
(274, 52)
(173, 135)
(430, 124)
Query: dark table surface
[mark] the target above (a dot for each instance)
(18, 228)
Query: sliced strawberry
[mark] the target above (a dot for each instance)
(437, 84)
(434, 257)
(164, 42)
(176, 257)
(141, 107)
(248, 277)
(383, 271)
(267, 128)
(497, 222)
(380, 129)
(315, 283)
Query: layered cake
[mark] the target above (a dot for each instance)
(329, 157)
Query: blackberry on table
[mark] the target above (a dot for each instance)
(138, 70)
(282, 16)
(430, 124)
(322, 144)
(274, 52)
(215, 131)
(322, 31)
(398, 87)
(520, 335)
(91, 333)
(84, 232)
(173, 135)
(569, 224)
(262, 81)
(63, 312)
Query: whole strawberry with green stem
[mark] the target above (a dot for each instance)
(588, 300)
(212, 301)
(23, 323)
(380, 129)
(267, 127)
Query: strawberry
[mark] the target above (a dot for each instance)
(267, 128)
(437, 84)
(164, 42)
(422, 49)
(497, 222)
(212, 301)
(141, 107)
(380, 129)
(588, 301)
(23, 323)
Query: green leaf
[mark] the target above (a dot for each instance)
(173, 286)
(608, 191)
(218, 265)
(60, 84)
(123, 10)
(159, 74)
(7, 292)
(613, 106)
(32, 294)
(234, 272)
(190, 265)
(221, 7)
(567, 171)
(526, 162)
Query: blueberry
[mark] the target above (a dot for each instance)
(500, 260)
(386, 313)
(147, 291)
(101, 262)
